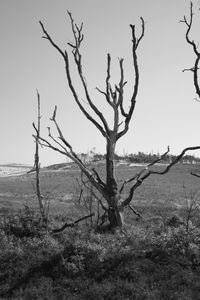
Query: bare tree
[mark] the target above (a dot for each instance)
(113, 194)
(189, 22)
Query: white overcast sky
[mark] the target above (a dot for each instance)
(166, 112)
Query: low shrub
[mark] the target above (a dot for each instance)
(80, 264)
(27, 223)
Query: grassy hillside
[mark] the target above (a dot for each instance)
(59, 186)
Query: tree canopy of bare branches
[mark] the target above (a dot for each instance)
(108, 188)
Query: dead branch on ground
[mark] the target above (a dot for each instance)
(72, 224)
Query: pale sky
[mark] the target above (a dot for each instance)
(166, 112)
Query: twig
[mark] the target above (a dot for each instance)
(135, 211)
(196, 175)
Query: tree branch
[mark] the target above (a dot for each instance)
(120, 89)
(76, 98)
(95, 180)
(191, 42)
(72, 224)
(47, 36)
(140, 177)
(194, 174)
(94, 194)
(136, 176)
(108, 86)
(78, 37)
(135, 43)
(135, 211)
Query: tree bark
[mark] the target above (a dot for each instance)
(110, 178)
(113, 196)
(115, 215)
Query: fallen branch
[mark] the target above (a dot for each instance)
(72, 224)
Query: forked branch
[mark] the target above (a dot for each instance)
(65, 148)
(114, 96)
(136, 176)
(78, 38)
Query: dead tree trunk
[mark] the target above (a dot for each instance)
(113, 197)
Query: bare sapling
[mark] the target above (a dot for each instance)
(37, 160)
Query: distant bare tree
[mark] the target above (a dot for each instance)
(113, 194)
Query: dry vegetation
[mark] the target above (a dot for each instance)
(156, 257)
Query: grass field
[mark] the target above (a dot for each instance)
(157, 195)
